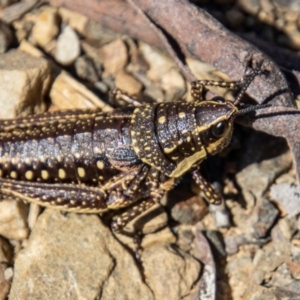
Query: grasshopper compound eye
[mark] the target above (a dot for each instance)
(219, 129)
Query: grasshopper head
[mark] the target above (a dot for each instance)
(215, 124)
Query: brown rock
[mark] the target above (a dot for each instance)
(294, 268)
(114, 57)
(77, 21)
(173, 84)
(24, 82)
(46, 27)
(66, 92)
(127, 83)
(159, 64)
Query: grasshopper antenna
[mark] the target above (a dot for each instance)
(247, 81)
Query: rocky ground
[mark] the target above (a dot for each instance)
(248, 248)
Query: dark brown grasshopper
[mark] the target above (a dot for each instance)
(87, 161)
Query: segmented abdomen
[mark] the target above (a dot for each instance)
(69, 146)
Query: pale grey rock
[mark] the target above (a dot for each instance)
(67, 47)
(288, 196)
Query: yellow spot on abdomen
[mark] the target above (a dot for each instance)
(181, 115)
(13, 174)
(81, 172)
(29, 175)
(162, 120)
(62, 174)
(45, 174)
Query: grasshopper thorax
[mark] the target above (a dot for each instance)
(175, 137)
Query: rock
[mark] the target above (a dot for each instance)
(34, 212)
(284, 230)
(262, 218)
(173, 84)
(287, 196)
(6, 37)
(272, 256)
(22, 29)
(75, 20)
(281, 277)
(154, 93)
(24, 82)
(5, 3)
(67, 47)
(255, 178)
(46, 27)
(127, 83)
(232, 243)
(6, 251)
(78, 256)
(258, 292)
(185, 207)
(101, 86)
(13, 219)
(221, 215)
(114, 57)
(163, 70)
(85, 69)
(30, 49)
(150, 224)
(15, 11)
(4, 283)
(164, 236)
(239, 270)
(96, 32)
(294, 268)
(185, 237)
(170, 273)
(66, 92)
